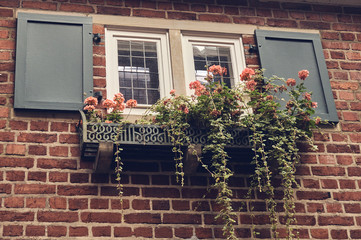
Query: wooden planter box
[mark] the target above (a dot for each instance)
(97, 140)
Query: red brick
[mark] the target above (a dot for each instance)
(57, 202)
(78, 203)
(315, 207)
(161, 192)
(58, 177)
(350, 65)
(350, 116)
(114, 11)
(56, 163)
(12, 230)
(120, 204)
(340, 148)
(328, 171)
(334, 207)
(101, 217)
(101, 231)
(138, 204)
(39, 5)
(335, 220)
(163, 232)
(37, 137)
(214, 18)
(68, 7)
(122, 232)
(99, 203)
(182, 16)
(59, 127)
(355, 75)
(34, 189)
(15, 149)
(7, 45)
(353, 56)
(5, 12)
(35, 230)
(14, 202)
(311, 183)
(47, 216)
(7, 137)
(142, 218)
(352, 207)
(69, 138)
(148, 13)
(329, 183)
(181, 218)
(18, 125)
(8, 23)
(59, 151)
(78, 231)
(311, 195)
(16, 162)
(56, 231)
(15, 176)
(35, 202)
(183, 232)
(77, 190)
(37, 150)
(319, 233)
(16, 216)
(339, 234)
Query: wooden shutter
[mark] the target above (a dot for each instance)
(285, 53)
(54, 64)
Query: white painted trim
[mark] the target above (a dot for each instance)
(165, 76)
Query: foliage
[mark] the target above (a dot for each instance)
(254, 103)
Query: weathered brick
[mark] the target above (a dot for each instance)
(12, 230)
(56, 231)
(50, 216)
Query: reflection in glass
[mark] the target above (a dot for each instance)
(206, 56)
(138, 71)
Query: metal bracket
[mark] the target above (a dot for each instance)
(104, 158)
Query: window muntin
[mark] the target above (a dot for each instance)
(138, 71)
(199, 52)
(138, 65)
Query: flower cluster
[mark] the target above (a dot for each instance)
(113, 108)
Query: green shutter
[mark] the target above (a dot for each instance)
(54, 61)
(285, 53)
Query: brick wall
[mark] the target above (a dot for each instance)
(46, 192)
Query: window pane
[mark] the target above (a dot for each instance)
(212, 55)
(138, 71)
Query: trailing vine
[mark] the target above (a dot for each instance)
(255, 103)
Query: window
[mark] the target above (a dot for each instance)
(200, 52)
(138, 66)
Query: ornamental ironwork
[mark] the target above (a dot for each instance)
(143, 134)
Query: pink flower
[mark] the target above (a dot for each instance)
(215, 113)
(317, 120)
(107, 103)
(184, 108)
(118, 106)
(251, 85)
(291, 82)
(303, 74)
(119, 97)
(89, 108)
(107, 121)
(314, 104)
(247, 74)
(172, 92)
(91, 101)
(307, 96)
(217, 69)
(131, 103)
(195, 85)
(269, 97)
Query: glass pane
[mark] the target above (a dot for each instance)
(123, 48)
(139, 80)
(138, 71)
(127, 92)
(213, 55)
(124, 79)
(137, 64)
(140, 96)
(150, 49)
(137, 48)
(151, 65)
(153, 80)
(123, 61)
(153, 96)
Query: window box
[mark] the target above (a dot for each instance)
(97, 140)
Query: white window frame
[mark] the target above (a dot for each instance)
(236, 50)
(164, 66)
